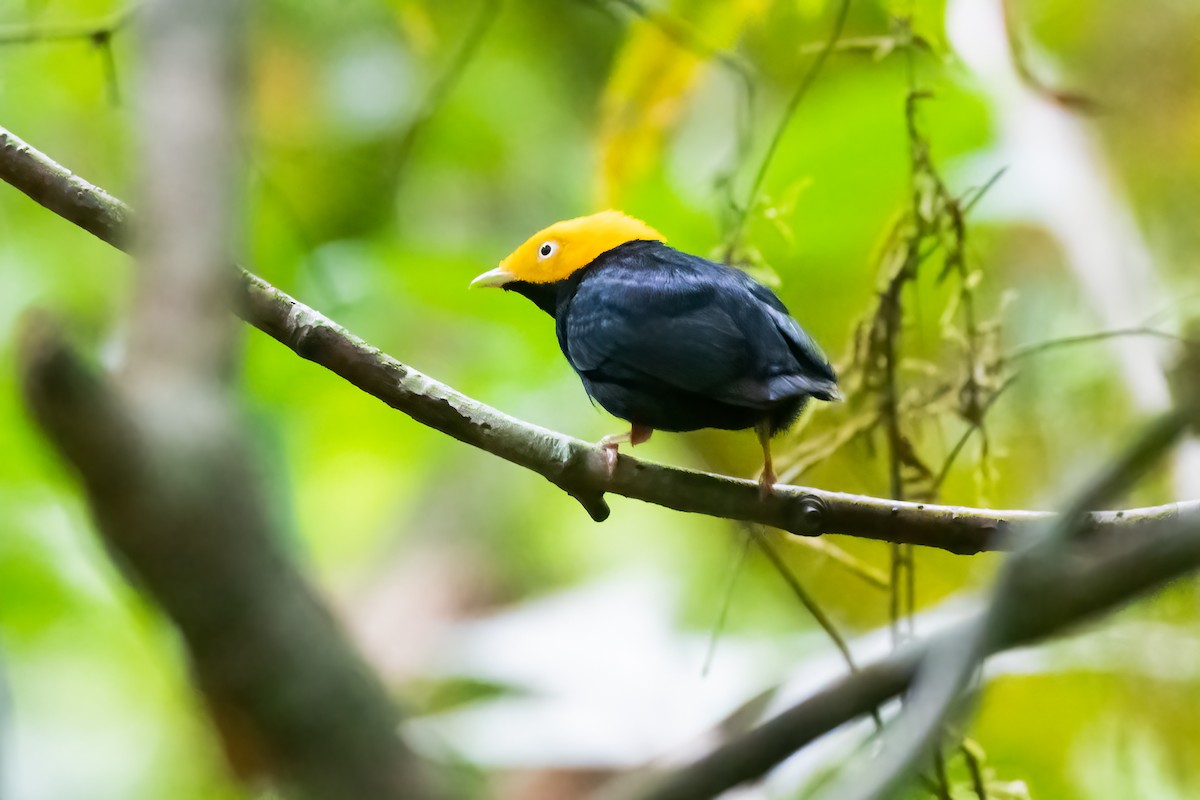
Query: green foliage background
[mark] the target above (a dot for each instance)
(566, 106)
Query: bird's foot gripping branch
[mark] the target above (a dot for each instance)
(577, 467)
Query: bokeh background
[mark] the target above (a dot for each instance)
(397, 148)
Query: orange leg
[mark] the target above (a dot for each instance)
(767, 478)
(636, 435)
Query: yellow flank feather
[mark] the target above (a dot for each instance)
(553, 253)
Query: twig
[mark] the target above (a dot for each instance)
(971, 755)
(942, 786)
(1038, 348)
(810, 604)
(760, 540)
(871, 44)
(888, 325)
(572, 464)
(815, 450)
(98, 34)
(871, 575)
(440, 90)
(1076, 101)
(735, 570)
(742, 213)
(972, 196)
(933, 213)
(885, 332)
(972, 427)
(686, 37)
(94, 32)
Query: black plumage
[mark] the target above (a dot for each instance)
(674, 342)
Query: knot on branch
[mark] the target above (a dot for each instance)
(578, 473)
(593, 502)
(810, 516)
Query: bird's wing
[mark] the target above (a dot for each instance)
(794, 366)
(811, 362)
(661, 327)
(696, 330)
(813, 373)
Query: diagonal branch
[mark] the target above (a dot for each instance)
(98, 34)
(575, 466)
(95, 32)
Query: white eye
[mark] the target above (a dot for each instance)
(546, 250)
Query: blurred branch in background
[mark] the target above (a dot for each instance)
(163, 459)
(1081, 579)
(686, 37)
(1079, 201)
(683, 35)
(575, 466)
(1037, 348)
(733, 237)
(1076, 101)
(398, 158)
(760, 540)
(288, 696)
(936, 695)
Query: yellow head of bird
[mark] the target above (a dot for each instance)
(554, 253)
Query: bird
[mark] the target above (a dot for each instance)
(663, 339)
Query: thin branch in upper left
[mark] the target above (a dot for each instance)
(99, 34)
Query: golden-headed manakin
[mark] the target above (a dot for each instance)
(664, 339)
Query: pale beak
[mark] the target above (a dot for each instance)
(494, 278)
